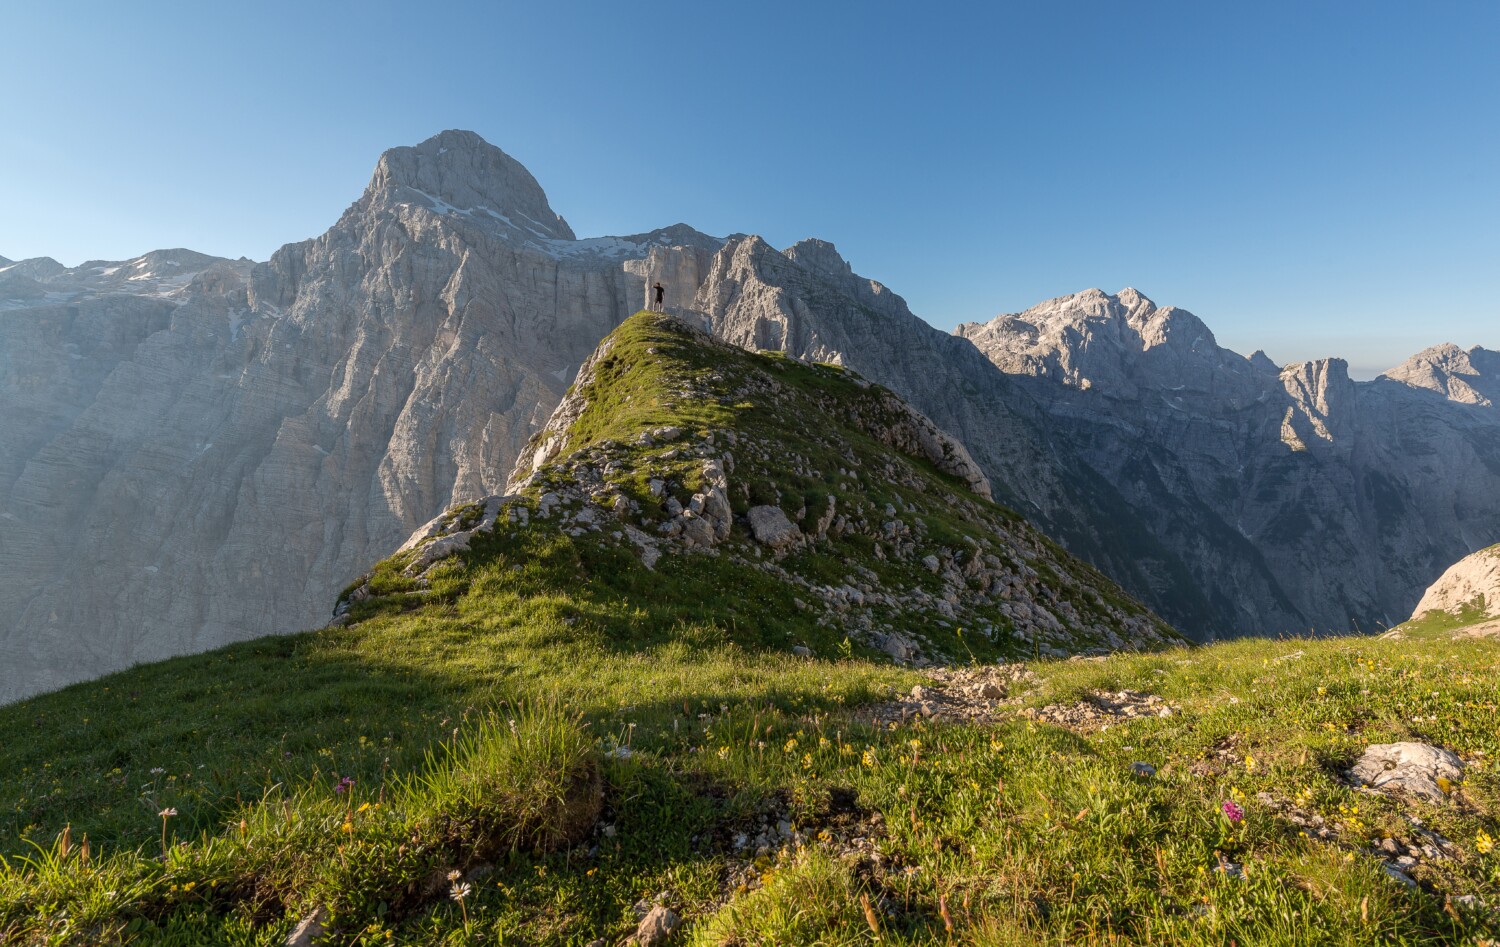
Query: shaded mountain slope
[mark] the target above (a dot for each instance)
(1346, 497)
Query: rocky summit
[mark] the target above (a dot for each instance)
(198, 451)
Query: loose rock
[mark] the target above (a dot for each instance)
(656, 926)
(309, 930)
(769, 526)
(1413, 767)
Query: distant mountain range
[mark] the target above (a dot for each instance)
(196, 450)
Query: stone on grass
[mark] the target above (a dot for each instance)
(656, 926)
(769, 526)
(1413, 767)
(1143, 770)
(309, 930)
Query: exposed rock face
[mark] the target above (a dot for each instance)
(197, 451)
(1471, 377)
(1348, 496)
(1471, 583)
(770, 527)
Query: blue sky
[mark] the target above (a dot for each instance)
(1310, 178)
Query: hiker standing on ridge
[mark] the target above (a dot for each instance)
(661, 293)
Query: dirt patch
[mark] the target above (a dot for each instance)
(1102, 710)
(983, 694)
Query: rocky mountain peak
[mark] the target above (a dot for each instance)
(1133, 299)
(820, 256)
(37, 268)
(1319, 372)
(1262, 362)
(1117, 343)
(460, 170)
(1468, 377)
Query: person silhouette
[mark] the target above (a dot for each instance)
(661, 294)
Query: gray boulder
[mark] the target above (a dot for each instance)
(770, 527)
(1413, 767)
(656, 927)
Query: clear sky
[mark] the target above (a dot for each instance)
(1310, 178)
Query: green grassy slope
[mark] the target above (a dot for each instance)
(574, 734)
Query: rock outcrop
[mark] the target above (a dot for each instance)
(1417, 768)
(1470, 587)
